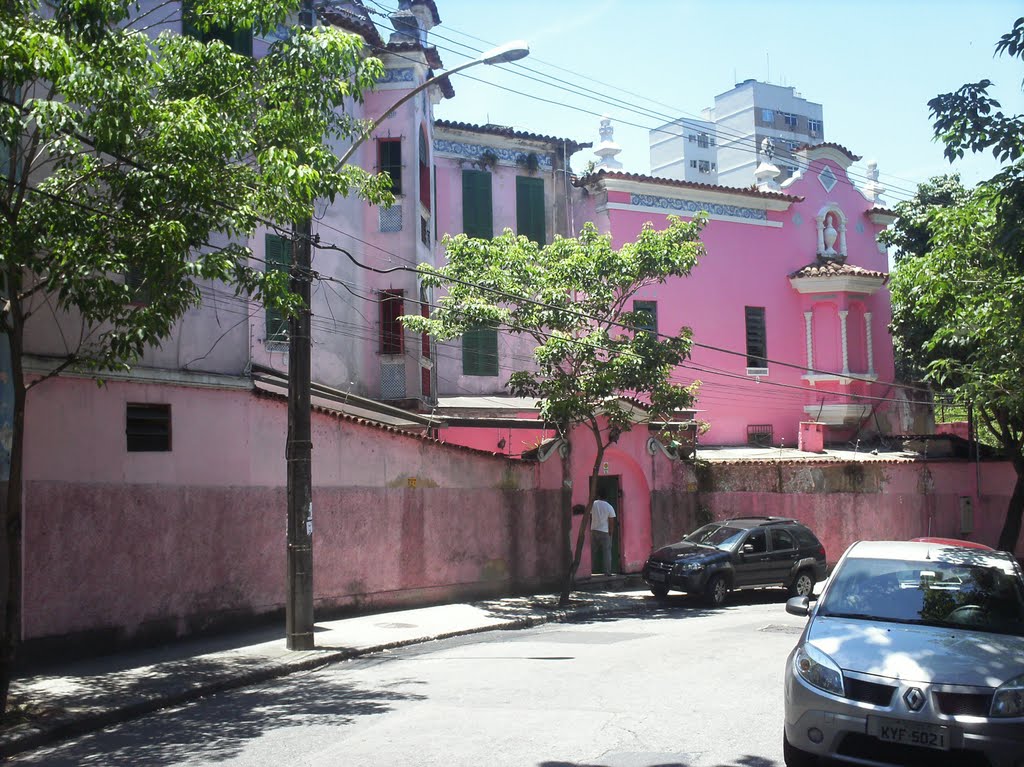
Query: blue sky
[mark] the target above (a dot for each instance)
(873, 65)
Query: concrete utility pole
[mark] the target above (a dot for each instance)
(298, 452)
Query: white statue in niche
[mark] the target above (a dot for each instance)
(829, 236)
(831, 233)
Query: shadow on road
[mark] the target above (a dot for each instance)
(219, 730)
(743, 761)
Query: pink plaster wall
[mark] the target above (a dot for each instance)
(747, 264)
(167, 543)
(844, 503)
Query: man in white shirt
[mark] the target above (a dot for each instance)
(602, 523)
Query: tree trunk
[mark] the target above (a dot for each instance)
(1011, 525)
(570, 576)
(10, 545)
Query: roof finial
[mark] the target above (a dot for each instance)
(607, 149)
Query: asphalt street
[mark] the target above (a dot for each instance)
(678, 686)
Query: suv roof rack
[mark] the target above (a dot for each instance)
(765, 520)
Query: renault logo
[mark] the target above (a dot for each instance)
(914, 699)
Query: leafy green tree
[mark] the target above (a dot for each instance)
(911, 237)
(958, 315)
(958, 290)
(573, 299)
(133, 167)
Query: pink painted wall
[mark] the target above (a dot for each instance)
(748, 263)
(161, 544)
(867, 500)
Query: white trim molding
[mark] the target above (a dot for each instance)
(837, 415)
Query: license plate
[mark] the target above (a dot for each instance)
(656, 576)
(909, 733)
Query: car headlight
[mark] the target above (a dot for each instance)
(689, 567)
(1009, 698)
(817, 669)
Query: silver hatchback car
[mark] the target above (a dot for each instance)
(913, 655)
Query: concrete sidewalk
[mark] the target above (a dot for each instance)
(65, 701)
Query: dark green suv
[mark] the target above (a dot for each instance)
(741, 553)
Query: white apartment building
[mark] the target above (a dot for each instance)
(723, 147)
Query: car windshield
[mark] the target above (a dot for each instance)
(977, 592)
(722, 536)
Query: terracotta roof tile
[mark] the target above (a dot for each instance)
(746, 191)
(350, 22)
(379, 426)
(429, 51)
(507, 132)
(829, 268)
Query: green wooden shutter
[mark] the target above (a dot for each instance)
(477, 214)
(530, 208)
(756, 337)
(278, 257)
(480, 352)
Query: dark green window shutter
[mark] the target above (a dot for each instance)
(278, 256)
(650, 308)
(477, 215)
(480, 352)
(238, 40)
(530, 208)
(757, 349)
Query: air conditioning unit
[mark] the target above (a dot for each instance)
(814, 134)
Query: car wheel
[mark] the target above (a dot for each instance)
(794, 757)
(715, 591)
(659, 591)
(802, 585)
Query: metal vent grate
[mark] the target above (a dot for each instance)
(391, 219)
(392, 380)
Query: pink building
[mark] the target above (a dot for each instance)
(155, 505)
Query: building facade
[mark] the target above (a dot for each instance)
(724, 147)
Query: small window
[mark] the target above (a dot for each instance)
(790, 120)
(757, 351)
(307, 16)
(650, 309)
(392, 303)
(703, 141)
(424, 171)
(768, 116)
(705, 166)
(277, 258)
(425, 230)
(238, 40)
(691, 137)
(148, 428)
(389, 161)
(480, 351)
(782, 540)
(814, 126)
(693, 163)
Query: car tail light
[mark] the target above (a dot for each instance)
(821, 550)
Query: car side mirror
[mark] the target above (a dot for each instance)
(747, 548)
(798, 606)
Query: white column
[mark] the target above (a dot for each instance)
(842, 238)
(846, 346)
(821, 234)
(871, 348)
(810, 345)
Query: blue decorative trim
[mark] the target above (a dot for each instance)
(476, 152)
(692, 206)
(403, 75)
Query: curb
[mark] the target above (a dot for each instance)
(35, 736)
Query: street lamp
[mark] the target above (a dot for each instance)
(299, 447)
